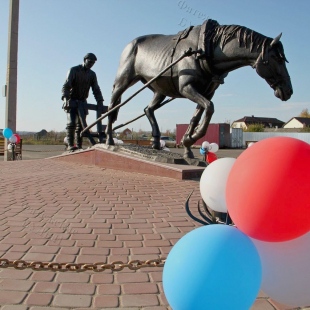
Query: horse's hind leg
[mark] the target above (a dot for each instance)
(125, 78)
(115, 100)
(121, 84)
(149, 112)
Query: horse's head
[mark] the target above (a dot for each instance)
(270, 65)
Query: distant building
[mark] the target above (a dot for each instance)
(268, 122)
(297, 122)
(127, 133)
(41, 134)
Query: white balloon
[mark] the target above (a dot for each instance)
(213, 147)
(213, 183)
(115, 140)
(13, 139)
(162, 144)
(286, 272)
(205, 145)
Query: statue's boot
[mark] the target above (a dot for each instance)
(79, 140)
(70, 139)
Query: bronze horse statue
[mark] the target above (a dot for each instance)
(220, 49)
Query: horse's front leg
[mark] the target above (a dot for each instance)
(202, 129)
(186, 140)
(149, 112)
(206, 105)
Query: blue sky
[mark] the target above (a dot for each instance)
(54, 35)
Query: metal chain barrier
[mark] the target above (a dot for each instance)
(96, 267)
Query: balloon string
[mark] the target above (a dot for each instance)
(189, 212)
(208, 220)
(228, 219)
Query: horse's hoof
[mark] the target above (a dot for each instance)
(188, 154)
(156, 146)
(110, 142)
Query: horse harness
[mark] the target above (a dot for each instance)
(181, 36)
(204, 50)
(205, 43)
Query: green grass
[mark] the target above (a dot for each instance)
(255, 128)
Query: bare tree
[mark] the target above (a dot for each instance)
(305, 113)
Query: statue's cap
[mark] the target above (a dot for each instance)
(90, 56)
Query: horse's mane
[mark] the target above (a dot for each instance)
(247, 38)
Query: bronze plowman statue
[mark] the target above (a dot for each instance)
(74, 94)
(220, 49)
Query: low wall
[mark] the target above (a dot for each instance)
(138, 142)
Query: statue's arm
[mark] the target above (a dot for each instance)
(96, 90)
(67, 86)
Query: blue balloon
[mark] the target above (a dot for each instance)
(213, 267)
(7, 133)
(203, 151)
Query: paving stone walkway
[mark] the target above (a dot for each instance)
(53, 211)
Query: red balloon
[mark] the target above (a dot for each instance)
(211, 157)
(17, 137)
(268, 188)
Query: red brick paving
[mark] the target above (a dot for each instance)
(64, 212)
